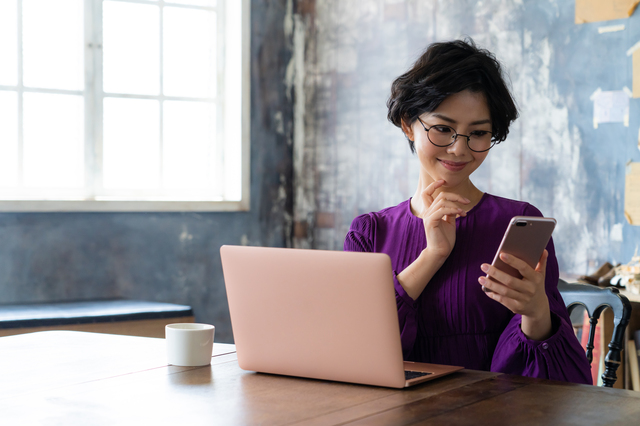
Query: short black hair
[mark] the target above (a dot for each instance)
(451, 67)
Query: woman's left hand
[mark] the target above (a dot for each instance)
(525, 296)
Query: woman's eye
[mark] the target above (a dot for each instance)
(443, 129)
(480, 133)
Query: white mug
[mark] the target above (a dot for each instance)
(189, 344)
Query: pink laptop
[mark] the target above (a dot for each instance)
(326, 315)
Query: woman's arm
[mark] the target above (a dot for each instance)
(417, 275)
(360, 238)
(439, 217)
(559, 356)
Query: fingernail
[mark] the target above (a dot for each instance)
(482, 280)
(484, 267)
(505, 256)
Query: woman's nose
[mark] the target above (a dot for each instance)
(459, 146)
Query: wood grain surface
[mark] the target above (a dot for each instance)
(76, 378)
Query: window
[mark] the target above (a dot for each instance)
(124, 105)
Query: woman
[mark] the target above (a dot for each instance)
(453, 106)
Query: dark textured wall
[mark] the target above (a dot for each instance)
(168, 257)
(349, 159)
(320, 75)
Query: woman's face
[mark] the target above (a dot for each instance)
(465, 112)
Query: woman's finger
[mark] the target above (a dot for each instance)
(450, 196)
(542, 263)
(427, 193)
(428, 199)
(443, 202)
(500, 277)
(523, 267)
(497, 287)
(505, 279)
(442, 212)
(514, 305)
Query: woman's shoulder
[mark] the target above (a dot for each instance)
(364, 222)
(500, 205)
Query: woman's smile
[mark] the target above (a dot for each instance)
(454, 166)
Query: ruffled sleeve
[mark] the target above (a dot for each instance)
(361, 238)
(560, 357)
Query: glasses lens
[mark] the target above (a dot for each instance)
(480, 140)
(441, 135)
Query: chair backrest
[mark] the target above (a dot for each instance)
(595, 300)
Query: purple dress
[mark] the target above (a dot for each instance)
(453, 322)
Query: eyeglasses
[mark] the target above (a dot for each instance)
(441, 135)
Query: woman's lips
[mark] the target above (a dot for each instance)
(452, 165)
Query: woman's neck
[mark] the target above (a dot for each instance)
(466, 189)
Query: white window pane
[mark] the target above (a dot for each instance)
(131, 52)
(189, 52)
(53, 148)
(209, 3)
(8, 42)
(8, 139)
(53, 44)
(131, 148)
(188, 143)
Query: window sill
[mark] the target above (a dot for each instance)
(121, 206)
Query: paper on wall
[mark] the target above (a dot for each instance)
(632, 194)
(636, 73)
(603, 10)
(611, 107)
(610, 29)
(635, 51)
(616, 234)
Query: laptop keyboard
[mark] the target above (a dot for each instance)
(408, 375)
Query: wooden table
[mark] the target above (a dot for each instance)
(76, 378)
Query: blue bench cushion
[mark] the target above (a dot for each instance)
(87, 312)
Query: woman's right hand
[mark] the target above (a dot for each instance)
(439, 218)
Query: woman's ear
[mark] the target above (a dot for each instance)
(407, 129)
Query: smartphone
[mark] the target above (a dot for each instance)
(525, 238)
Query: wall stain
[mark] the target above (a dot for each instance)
(350, 160)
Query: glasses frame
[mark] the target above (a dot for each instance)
(455, 137)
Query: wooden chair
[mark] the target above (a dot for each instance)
(595, 300)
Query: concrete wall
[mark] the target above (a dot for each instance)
(321, 71)
(168, 257)
(349, 159)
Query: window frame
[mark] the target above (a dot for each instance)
(93, 98)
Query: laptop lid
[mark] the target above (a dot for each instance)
(319, 314)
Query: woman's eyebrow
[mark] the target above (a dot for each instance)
(485, 121)
(443, 117)
(451, 120)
